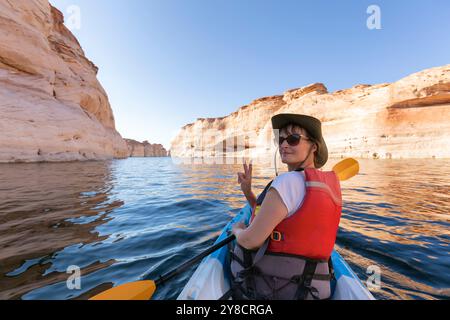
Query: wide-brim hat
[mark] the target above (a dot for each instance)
(314, 128)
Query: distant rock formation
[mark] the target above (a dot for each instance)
(145, 149)
(52, 107)
(405, 119)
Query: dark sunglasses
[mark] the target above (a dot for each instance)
(293, 140)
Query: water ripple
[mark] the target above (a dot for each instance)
(120, 220)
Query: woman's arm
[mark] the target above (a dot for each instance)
(272, 212)
(251, 198)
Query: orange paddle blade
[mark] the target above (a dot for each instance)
(346, 169)
(140, 290)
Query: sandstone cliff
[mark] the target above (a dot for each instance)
(405, 119)
(52, 107)
(145, 149)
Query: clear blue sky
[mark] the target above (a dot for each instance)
(165, 63)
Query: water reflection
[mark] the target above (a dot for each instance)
(398, 215)
(121, 219)
(45, 208)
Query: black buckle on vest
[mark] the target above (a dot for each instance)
(277, 236)
(297, 279)
(252, 271)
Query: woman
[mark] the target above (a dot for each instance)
(295, 228)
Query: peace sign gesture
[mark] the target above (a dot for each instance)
(245, 179)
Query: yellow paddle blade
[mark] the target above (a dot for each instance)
(346, 169)
(140, 290)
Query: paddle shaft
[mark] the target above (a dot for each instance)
(188, 264)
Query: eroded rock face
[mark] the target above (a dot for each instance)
(52, 107)
(405, 119)
(145, 149)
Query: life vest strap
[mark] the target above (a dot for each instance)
(304, 286)
(243, 284)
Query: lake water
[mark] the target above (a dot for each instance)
(118, 220)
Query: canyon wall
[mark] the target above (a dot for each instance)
(405, 119)
(52, 107)
(145, 149)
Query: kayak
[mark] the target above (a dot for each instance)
(211, 279)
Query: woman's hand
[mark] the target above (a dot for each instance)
(245, 179)
(238, 227)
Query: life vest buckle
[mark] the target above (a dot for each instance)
(276, 236)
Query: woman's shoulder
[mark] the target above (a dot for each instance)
(289, 179)
(290, 176)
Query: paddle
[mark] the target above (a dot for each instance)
(143, 290)
(346, 169)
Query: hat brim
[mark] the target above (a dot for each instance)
(314, 128)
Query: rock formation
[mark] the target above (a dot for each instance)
(52, 107)
(405, 119)
(145, 149)
(154, 150)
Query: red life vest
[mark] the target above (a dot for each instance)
(311, 231)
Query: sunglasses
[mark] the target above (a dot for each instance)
(293, 140)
